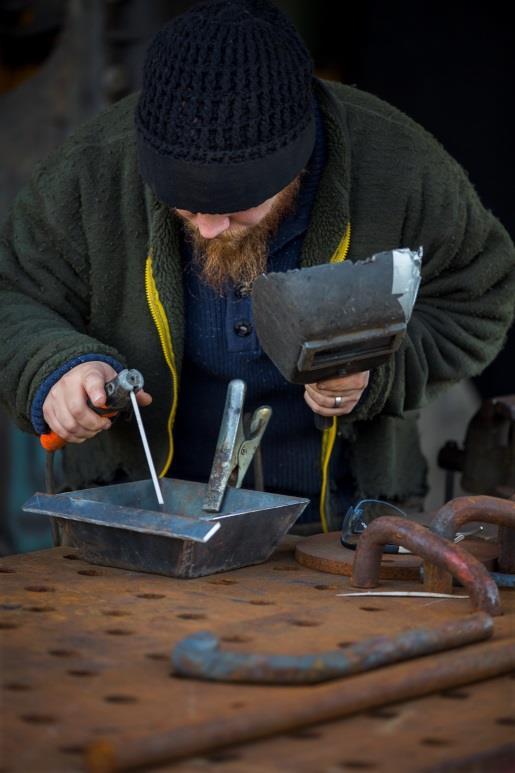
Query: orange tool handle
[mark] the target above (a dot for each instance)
(51, 440)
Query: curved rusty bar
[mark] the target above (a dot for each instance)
(199, 655)
(461, 510)
(394, 530)
(455, 513)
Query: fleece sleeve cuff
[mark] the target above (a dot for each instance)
(36, 414)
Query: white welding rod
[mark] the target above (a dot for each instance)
(405, 593)
(146, 447)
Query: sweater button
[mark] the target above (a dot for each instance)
(243, 328)
(242, 290)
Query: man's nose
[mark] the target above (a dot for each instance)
(210, 226)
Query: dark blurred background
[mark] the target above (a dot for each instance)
(448, 65)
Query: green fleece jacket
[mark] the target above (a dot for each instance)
(76, 278)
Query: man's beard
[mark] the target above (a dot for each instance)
(239, 254)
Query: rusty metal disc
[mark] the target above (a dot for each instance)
(325, 553)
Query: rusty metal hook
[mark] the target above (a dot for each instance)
(199, 655)
(435, 550)
(461, 510)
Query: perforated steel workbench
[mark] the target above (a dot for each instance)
(86, 656)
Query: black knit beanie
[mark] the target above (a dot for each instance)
(225, 117)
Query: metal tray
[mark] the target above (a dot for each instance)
(121, 526)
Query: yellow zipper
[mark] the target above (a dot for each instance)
(342, 250)
(329, 434)
(163, 330)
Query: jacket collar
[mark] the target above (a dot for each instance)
(331, 213)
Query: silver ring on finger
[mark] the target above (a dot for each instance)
(337, 401)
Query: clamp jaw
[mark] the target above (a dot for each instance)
(234, 449)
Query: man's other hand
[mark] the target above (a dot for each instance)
(336, 396)
(66, 410)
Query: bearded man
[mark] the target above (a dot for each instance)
(136, 245)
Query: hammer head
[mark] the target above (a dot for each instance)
(335, 319)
